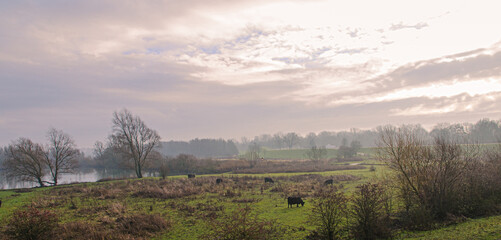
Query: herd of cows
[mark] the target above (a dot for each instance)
(290, 200)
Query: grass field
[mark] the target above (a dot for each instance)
(298, 154)
(484, 228)
(190, 207)
(189, 204)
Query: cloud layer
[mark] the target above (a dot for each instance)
(218, 69)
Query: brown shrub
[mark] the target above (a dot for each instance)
(32, 224)
(83, 231)
(140, 225)
(116, 209)
(48, 202)
(175, 189)
(246, 200)
(370, 218)
(328, 213)
(242, 224)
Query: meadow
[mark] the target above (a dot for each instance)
(300, 154)
(181, 208)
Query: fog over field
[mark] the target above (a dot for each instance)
(227, 69)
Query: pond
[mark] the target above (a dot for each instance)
(82, 175)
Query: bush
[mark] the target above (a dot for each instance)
(371, 219)
(84, 231)
(439, 179)
(329, 210)
(32, 224)
(142, 225)
(241, 224)
(417, 218)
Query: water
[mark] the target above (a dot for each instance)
(84, 175)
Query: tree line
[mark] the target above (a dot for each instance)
(483, 131)
(200, 148)
(132, 145)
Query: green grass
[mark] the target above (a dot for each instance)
(484, 228)
(298, 154)
(12, 200)
(188, 213)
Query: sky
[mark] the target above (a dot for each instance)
(228, 69)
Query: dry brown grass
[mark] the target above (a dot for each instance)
(295, 166)
(138, 226)
(306, 185)
(141, 225)
(84, 230)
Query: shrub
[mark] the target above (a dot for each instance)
(32, 224)
(83, 231)
(438, 178)
(329, 210)
(241, 224)
(370, 218)
(417, 217)
(142, 225)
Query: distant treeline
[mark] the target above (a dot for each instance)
(200, 148)
(484, 131)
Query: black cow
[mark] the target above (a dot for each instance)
(191, 175)
(0, 203)
(329, 181)
(294, 200)
(219, 180)
(267, 179)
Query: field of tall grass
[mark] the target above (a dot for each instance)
(183, 208)
(200, 208)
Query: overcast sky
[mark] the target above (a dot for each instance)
(200, 68)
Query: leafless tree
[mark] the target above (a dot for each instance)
(99, 149)
(254, 153)
(25, 160)
(316, 153)
(278, 140)
(133, 138)
(431, 175)
(291, 139)
(60, 155)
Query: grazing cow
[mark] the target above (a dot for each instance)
(294, 200)
(219, 180)
(191, 175)
(267, 179)
(329, 181)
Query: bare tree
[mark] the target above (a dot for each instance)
(61, 154)
(25, 160)
(133, 138)
(316, 153)
(99, 149)
(430, 175)
(278, 140)
(291, 139)
(253, 154)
